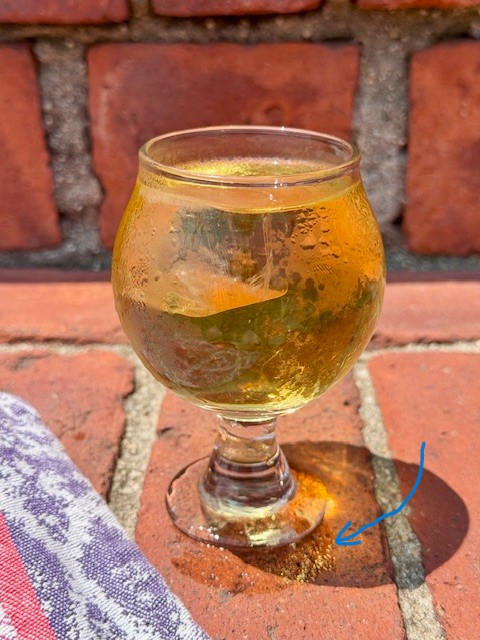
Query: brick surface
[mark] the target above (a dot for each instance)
(28, 217)
(415, 4)
(188, 8)
(434, 397)
(80, 397)
(443, 180)
(73, 312)
(138, 91)
(62, 12)
(428, 312)
(242, 596)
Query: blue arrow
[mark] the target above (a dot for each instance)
(347, 541)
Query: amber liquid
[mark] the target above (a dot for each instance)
(249, 311)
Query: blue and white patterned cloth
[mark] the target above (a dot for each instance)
(67, 570)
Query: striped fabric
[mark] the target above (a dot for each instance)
(67, 570)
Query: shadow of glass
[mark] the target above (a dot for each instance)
(437, 513)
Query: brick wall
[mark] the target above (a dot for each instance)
(83, 83)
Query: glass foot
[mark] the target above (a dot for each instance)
(270, 526)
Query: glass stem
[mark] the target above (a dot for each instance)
(248, 475)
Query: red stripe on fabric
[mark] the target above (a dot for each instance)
(18, 599)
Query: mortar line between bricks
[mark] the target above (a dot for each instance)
(142, 408)
(123, 349)
(460, 346)
(63, 347)
(64, 86)
(237, 28)
(414, 596)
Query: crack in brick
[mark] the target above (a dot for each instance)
(24, 362)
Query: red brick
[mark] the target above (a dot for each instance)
(138, 91)
(434, 397)
(73, 312)
(428, 312)
(189, 8)
(28, 217)
(80, 397)
(443, 180)
(415, 4)
(239, 598)
(61, 12)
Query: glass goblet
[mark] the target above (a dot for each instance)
(248, 274)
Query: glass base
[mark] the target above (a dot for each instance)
(283, 524)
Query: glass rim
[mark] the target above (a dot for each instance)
(307, 177)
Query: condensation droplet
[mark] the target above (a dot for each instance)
(308, 242)
(336, 252)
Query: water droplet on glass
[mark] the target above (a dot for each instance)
(336, 252)
(308, 242)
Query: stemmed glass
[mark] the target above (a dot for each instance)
(248, 274)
